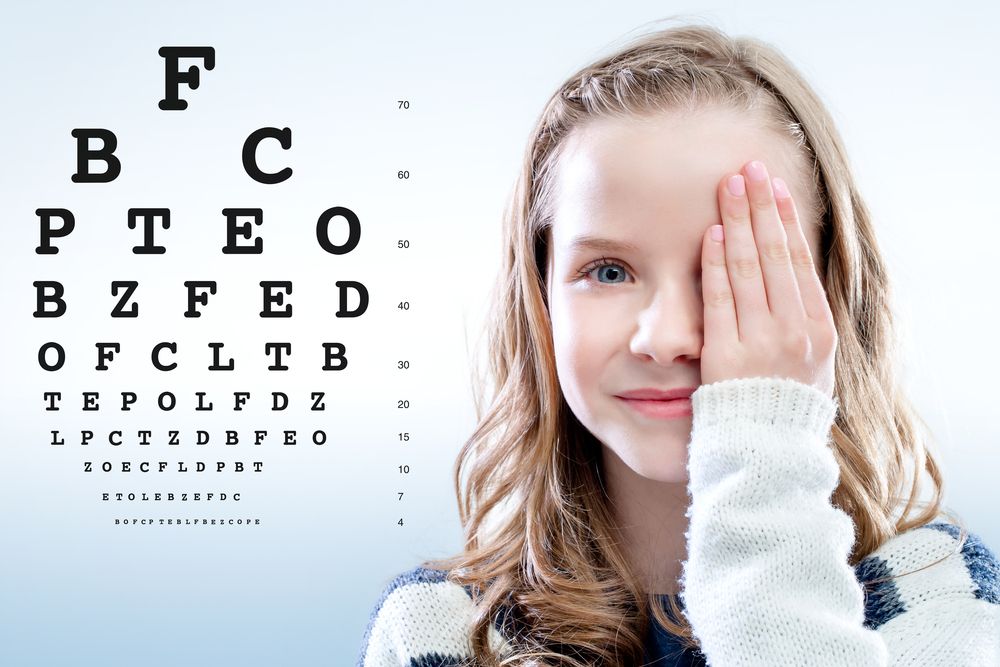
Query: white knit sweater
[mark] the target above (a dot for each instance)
(767, 580)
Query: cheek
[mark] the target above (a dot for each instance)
(585, 344)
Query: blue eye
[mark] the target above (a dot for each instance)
(618, 270)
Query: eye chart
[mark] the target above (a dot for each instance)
(240, 293)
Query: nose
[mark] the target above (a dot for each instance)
(668, 327)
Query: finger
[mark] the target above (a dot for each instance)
(720, 323)
(742, 262)
(780, 282)
(813, 295)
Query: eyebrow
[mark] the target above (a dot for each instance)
(602, 244)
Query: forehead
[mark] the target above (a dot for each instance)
(638, 175)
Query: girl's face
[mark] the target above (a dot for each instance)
(647, 189)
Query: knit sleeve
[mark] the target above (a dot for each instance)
(935, 599)
(420, 618)
(381, 645)
(767, 579)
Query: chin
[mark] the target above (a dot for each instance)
(667, 472)
(660, 459)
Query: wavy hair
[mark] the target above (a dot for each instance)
(540, 554)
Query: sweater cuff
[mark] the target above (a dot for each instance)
(765, 400)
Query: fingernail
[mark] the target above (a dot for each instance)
(780, 189)
(717, 233)
(755, 170)
(736, 186)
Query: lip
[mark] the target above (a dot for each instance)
(651, 394)
(675, 409)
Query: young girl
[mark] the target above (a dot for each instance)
(696, 448)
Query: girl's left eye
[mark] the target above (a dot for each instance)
(619, 270)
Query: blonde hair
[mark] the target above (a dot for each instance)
(551, 572)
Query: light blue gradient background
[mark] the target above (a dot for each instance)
(912, 88)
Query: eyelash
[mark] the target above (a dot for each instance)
(585, 272)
